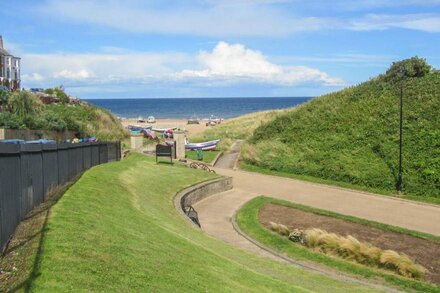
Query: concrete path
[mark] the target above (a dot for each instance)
(228, 159)
(393, 211)
(215, 212)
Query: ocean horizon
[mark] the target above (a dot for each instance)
(183, 108)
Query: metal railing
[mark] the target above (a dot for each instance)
(28, 172)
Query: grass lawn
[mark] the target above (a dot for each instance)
(208, 156)
(247, 219)
(116, 230)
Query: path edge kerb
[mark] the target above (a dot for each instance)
(193, 194)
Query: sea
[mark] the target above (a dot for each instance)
(183, 108)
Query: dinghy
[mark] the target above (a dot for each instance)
(205, 146)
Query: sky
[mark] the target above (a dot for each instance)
(207, 48)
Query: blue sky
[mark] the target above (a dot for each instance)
(207, 48)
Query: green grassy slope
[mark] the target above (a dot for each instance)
(237, 128)
(353, 136)
(116, 230)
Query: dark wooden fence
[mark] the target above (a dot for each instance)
(28, 172)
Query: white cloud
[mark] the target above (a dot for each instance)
(421, 22)
(78, 75)
(227, 64)
(237, 63)
(242, 17)
(32, 77)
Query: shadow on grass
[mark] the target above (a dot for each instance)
(20, 249)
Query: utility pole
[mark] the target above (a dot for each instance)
(399, 182)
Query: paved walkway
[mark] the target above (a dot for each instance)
(215, 212)
(228, 159)
(393, 211)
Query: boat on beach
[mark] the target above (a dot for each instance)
(205, 146)
(193, 120)
(163, 129)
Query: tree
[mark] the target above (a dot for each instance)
(25, 104)
(412, 67)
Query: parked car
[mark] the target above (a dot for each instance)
(151, 119)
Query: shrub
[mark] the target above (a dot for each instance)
(352, 249)
(412, 67)
(10, 120)
(279, 228)
(4, 98)
(25, 104)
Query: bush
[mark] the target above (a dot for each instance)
(55, 122)
(11, 121)
(352, 249)
(412, 67)
(25, 104)
(4, 98)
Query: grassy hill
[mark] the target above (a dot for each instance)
(116, 230)
(353, 136)
(233, 129)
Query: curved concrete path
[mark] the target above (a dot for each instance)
(216, 212)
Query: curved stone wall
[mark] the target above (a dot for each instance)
(193, 194)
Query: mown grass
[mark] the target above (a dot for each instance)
(208, 156)
(116, 230)
(353, 136)
(247, 219)
(240, 128)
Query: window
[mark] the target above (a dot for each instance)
(8, 73)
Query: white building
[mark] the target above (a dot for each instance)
(9, 69)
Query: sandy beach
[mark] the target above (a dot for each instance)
(164, 123)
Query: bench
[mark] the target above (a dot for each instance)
(164, 151)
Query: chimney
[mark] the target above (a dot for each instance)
(1, 42)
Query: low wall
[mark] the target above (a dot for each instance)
(28, 134)
(196, 193)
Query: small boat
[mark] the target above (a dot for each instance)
(137, 128)
(193, 120)
(163, 129)
(213, 120)
(205, 146)
(140, 120)
(151, 119)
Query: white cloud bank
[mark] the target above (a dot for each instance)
(226, 64)
(236, 63)
(239, 18)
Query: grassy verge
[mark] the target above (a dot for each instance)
(247, 219)
(208, 156)
(117, 229)
(253, 168)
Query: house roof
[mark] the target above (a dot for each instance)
(4, 52)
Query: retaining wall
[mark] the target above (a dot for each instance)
(196, 193)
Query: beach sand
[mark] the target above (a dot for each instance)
(164, 123)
